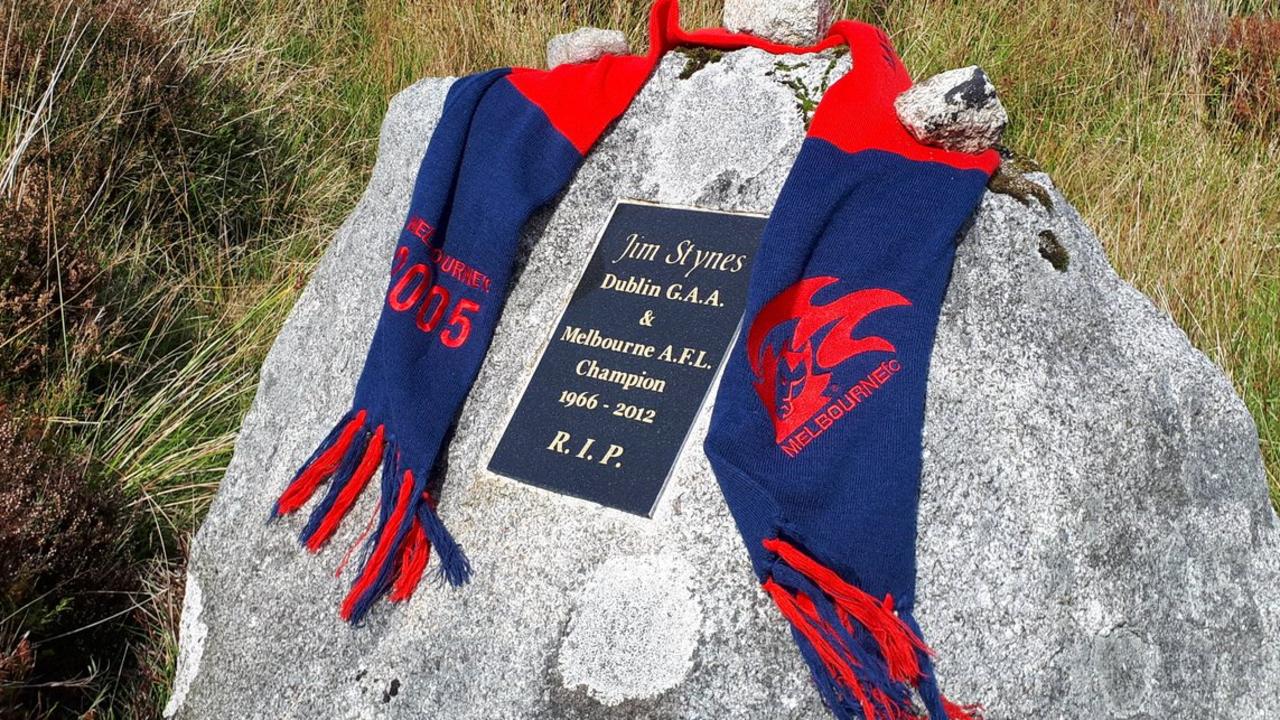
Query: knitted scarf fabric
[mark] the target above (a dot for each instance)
(816, 433)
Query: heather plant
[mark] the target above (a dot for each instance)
(44, 296)
(65, 564)
(1244, 73)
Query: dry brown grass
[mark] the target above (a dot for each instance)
(1116, 100)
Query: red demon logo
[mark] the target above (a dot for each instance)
(792, 383)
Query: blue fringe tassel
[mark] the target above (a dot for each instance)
(454, 566)
(930, 694)
(386, 573)
(339, 481)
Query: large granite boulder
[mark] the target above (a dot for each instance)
(1095, 540)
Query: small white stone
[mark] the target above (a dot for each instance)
(585, 44)
(957, 110)
(793, 22)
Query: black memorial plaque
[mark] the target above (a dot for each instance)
(622, 379)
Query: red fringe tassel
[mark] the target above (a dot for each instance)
(368, 465)
(858, 612)
(962, 712)
(413, 562)
(373, 566)
(897, 643)
(301, 489)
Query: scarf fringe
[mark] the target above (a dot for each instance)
(407, 525)
(322, 464)
(867, 660)
(454, 566)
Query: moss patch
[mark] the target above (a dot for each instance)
(807, 98)
(1051, 249)
(697, 58)
(1009, 179)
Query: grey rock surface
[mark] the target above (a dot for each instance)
(957, 109)
(584, 44)
(794, 22)
(1095, 540)
(192, 631)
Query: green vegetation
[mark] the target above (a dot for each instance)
(697, 58)
(806, 98)
(171, 171)
(1120, 103)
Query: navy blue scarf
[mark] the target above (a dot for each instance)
(816, 433)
